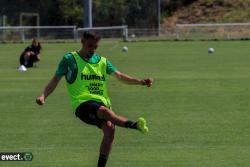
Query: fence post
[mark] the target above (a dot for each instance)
(125, 33)
(177, 32)
(75, 33)
(4, 24)
(22, 35)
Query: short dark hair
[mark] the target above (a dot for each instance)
(39, 46)
(91, 35)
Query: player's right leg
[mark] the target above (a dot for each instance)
(26, 58)
(108, 129)
(21, 59)
(87, 112)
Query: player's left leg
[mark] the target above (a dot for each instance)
(107, 114)
(108, 136)
(29, 59)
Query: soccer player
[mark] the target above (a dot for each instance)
(31, 54)
(86, 76)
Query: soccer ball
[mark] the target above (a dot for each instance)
(125, 49)
(210, 50)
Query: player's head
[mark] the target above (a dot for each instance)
(90, 41)
(36, 43)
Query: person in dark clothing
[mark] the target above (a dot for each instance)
(31, 54)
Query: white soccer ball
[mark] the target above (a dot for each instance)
(125, 49)
(210, 50)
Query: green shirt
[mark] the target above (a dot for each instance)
(68, 67)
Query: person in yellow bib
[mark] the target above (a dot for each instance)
(86, 75)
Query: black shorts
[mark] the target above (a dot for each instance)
(33, 58)
(87, 112)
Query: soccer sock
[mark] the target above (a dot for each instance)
(26, 60)
(102, 160)
(130, 124)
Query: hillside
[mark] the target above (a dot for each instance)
(210, 11)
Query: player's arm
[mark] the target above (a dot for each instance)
(131, 80)
(48, 89)
(60, 72)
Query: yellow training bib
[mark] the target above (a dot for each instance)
(90, 83)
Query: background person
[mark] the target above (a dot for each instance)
(31, 54)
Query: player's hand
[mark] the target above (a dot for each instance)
(40, 100)
(147, 81)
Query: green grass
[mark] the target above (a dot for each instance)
(197, 109)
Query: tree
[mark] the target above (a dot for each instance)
(109, 13)
(71, 12)
(141, 13)
(134, 13)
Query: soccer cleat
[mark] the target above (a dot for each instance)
(142, 125)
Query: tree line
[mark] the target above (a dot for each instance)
(134, 13)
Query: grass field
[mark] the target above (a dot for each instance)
(197, 110)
